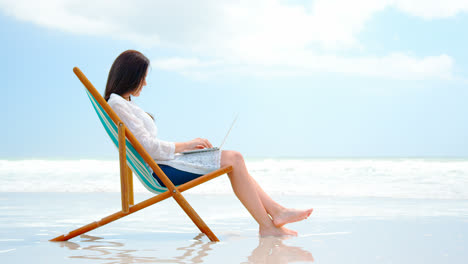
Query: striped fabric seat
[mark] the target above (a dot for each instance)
(134, 160)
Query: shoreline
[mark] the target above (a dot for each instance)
(339, 230)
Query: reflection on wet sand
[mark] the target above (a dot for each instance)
(114, 252)
(269, 250)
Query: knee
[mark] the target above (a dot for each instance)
(232, 158)
(237, 157)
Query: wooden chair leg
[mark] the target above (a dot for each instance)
(131, 199)
(141, 205)
(124, 188)
(195, 217)
(112, 217)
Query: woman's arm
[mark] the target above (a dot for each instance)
(198, 143)
(158, 149)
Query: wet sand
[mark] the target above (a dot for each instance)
(361, 230)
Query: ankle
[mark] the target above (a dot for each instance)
(277, 211)
(266, 226)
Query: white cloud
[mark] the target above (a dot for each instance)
(263, 36)
(432, 8)
(395, 66)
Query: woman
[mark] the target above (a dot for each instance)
(127, 77)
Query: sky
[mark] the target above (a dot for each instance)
(324, 78)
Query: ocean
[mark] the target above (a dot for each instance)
(380, 178)
(365, 211)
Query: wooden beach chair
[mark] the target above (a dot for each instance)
(134, 158)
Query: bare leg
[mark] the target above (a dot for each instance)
(278, 213)
(245, 189)
(273, 208)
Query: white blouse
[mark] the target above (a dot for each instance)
(144, 129)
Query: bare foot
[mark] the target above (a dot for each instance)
(291, 216)
(276, 231)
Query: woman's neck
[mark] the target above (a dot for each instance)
(126, 97)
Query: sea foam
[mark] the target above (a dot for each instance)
(390, 178)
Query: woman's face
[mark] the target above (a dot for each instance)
(137, 92)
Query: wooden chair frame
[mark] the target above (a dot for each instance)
(126, 179)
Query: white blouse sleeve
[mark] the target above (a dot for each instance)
(158, 149)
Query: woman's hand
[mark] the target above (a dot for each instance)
(197, 143)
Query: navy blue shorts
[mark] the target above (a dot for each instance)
(177, 177)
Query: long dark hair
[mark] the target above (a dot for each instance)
(127, 73)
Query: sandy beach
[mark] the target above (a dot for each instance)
(339, 231)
